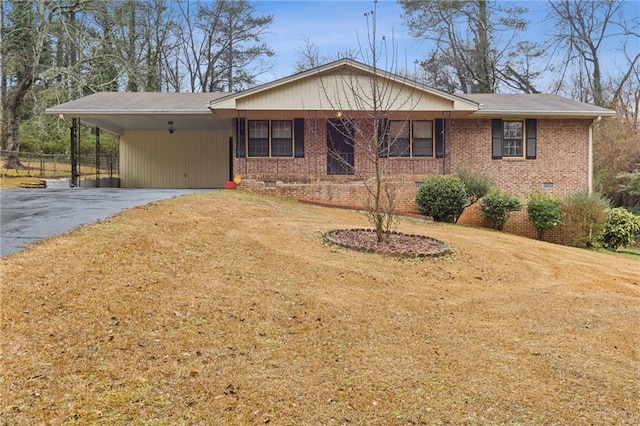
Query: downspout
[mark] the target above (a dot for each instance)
(590, 160)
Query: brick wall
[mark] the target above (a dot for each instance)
(562, 157)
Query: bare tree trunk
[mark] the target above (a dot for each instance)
(14, 115)
(484, 79)
(3, 83)
(132, 84)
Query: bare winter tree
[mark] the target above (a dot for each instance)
(475, 45)
(362, 105)
(309, 56)
(582, 28)
(26, 29)
(220, 44)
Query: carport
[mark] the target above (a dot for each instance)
(166, 140)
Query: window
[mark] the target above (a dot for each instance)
(423, 139)
(399, 138)
(270, 138)
(258, 138)
(281, 141)
(512, 139)
(410, 138)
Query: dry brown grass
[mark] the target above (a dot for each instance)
(35, 171)
(35, 168)
(228, 308)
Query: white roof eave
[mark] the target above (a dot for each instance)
(101, 112)
(529, 113)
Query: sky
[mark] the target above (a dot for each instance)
(335, 25)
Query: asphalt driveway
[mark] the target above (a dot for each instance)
(28, 215)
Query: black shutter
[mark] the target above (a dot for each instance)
(298, 133)
(532, 134)
(496, 139)
(241, 145)
(383, 135)
(439, 137)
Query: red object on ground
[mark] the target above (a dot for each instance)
(230, 185)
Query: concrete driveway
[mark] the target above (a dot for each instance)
(28, 215)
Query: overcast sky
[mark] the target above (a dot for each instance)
(335, 25)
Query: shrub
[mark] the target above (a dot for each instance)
(476, 183)
(621, 229)
(442, 197)
(496, 207)
(544, 212)
(584, 217)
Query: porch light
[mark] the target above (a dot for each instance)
(339, 114)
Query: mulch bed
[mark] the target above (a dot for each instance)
(397, 244)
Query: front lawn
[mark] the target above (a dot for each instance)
(229, 308)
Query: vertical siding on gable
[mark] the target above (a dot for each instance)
(184, 159)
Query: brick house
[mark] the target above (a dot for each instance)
(307, 136)
(304, 136)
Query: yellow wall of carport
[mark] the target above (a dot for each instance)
(182, 159)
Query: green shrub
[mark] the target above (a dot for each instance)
(442, 197)
(584, 217)
(476, 183)
(496, 207)
(621, 229)
(544, 212)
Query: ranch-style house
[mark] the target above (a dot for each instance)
(303, 136)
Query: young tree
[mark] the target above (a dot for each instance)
(371, 99)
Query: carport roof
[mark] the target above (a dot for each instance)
(119, 111)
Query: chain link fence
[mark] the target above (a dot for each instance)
(58, 166)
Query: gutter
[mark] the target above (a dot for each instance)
(590, 168)
(534, 114)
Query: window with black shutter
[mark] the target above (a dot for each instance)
(406, 138)
(275, 138)
(514, 139)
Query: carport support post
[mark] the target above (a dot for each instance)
(230, 159)
(97, 157)
(74, 153)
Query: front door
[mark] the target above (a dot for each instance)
(339, 147)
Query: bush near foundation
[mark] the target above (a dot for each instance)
(621, 229)
(497, 206)
(442, 197)
(584, 216)
(544, 212)
(476, 183)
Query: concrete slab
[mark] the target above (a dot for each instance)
(28, 215)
